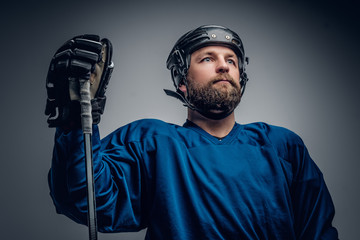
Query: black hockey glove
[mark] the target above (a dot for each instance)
(82, 57)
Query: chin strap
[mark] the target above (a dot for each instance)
(179, 96)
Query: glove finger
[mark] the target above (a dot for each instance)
(92, 37)
(61, 62)
(80, 69)
(88, 45)
(92, 57)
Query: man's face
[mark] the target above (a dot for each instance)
(213, 79)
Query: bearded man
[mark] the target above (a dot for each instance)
(211, 178)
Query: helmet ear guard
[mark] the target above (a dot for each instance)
(178, 61)
(178, 80)
(179, 67)
(243, 76)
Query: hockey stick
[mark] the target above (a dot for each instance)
(86, 122)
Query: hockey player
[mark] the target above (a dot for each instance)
(211, 178)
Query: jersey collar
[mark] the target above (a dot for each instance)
(233, 133)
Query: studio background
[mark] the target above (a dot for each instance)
(304, 58)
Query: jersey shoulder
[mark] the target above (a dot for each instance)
(283, 140)
(143, 129)
(272, 133)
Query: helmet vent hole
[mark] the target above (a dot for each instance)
(235, 42)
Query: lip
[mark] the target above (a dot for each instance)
(222, 81)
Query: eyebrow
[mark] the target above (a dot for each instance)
(211, 53)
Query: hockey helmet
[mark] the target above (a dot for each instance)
(178, 61)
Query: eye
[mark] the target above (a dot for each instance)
(206, 59)
(231, 61)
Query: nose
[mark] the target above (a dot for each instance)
(222, 66)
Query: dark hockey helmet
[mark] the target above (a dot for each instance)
(178, 61)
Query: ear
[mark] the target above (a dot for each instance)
(182, 88)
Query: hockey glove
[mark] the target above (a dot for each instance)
(82, 57)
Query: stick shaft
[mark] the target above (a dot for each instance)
(91, 200)
(86, 122)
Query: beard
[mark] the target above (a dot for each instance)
(211, 98)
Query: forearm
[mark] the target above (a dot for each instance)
(117, 194)
(67, 179)
(314, 210)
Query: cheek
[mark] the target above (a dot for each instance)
(200, 74)
(235, 74)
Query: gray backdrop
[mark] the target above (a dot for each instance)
(303, 76)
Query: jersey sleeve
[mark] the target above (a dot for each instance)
(120, 194)
(312, 205)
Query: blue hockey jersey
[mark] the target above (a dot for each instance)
(180, 182)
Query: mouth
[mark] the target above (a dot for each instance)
(223, 81)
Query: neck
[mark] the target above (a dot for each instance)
(217, 128)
